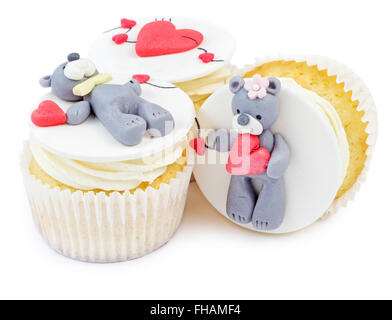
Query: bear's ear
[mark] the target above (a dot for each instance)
(73, 57)
(45, 82)
(135, 85)
(236, 84)
(274, 86)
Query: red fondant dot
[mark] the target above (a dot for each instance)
(127, 24)
(207, 57)
(120, 38)
(142, 78)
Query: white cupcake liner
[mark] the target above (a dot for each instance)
(106, 228)
(360, 93)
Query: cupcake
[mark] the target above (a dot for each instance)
(106, 169)
(193, 54)
(289, 141)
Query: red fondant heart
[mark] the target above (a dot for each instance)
(127, 24)
(161, 37)
(247, 157)
(120, 38)
(48, 114)
(207, 57)
(142, 78)
(198, 145)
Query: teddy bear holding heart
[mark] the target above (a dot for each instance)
(258, 158)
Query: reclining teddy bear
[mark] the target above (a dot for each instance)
(120, 108)
(257, 155)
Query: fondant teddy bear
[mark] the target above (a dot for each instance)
(120, 108)
(257, 156)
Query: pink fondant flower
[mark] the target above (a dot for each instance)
(257, 88)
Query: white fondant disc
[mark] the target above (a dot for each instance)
(90, 141)
(122, 59)
(315, 171)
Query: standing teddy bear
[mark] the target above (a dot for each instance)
(258, 157)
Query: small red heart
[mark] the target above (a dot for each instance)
(127, 24)
(207, 57)
(142, 78)
(48, 114)
(120, 38)
(199, 145)
(247, 157)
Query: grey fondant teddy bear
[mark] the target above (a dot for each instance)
(120, 108)
(255, 110)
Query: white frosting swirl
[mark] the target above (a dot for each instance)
(208, 84)
(116, 176)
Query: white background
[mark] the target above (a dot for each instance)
(347, 256)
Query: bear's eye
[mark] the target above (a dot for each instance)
(259, 117)
(131, 81)
(238, 111)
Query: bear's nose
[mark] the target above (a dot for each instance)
(243, 120)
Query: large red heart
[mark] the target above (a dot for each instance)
(247, 157)
(48, 114)
(161, 37)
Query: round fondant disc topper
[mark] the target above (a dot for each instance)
(314, 174)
